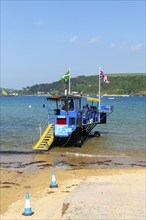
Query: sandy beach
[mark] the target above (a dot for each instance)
(81, 194)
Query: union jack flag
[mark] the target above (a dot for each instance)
(103, 77)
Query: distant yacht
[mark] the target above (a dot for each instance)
(111, 98)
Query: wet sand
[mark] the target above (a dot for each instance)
(83, 193)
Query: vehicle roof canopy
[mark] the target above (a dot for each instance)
(57, 97)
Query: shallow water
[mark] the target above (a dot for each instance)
(122, 136)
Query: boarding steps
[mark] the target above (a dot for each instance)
(46, 139)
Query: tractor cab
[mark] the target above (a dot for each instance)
(65, 110)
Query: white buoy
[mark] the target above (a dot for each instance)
(29, 106)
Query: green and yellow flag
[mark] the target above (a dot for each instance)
(65, 77)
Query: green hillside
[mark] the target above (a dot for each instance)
(130, 84)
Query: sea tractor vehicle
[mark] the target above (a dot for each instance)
(71, 118)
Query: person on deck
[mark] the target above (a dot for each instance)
(71, 105)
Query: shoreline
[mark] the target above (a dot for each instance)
(104, 95)
(26, 162)
(52, 203)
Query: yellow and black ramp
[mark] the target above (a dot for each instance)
(46, 139)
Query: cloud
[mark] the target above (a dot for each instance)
(124, 45)
(93, 40)
(136, 47)
(74, 39)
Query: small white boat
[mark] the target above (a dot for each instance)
(111, 98)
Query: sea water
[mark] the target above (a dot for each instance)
(23, 118)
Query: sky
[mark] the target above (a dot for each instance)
(41, 40)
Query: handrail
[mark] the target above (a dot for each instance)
(39, 130)
(43, 143)
(44, 134)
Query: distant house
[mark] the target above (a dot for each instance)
(15, 94)
(40, 93)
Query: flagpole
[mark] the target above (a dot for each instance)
(69, 83)
(99, 89)
(99, 95)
